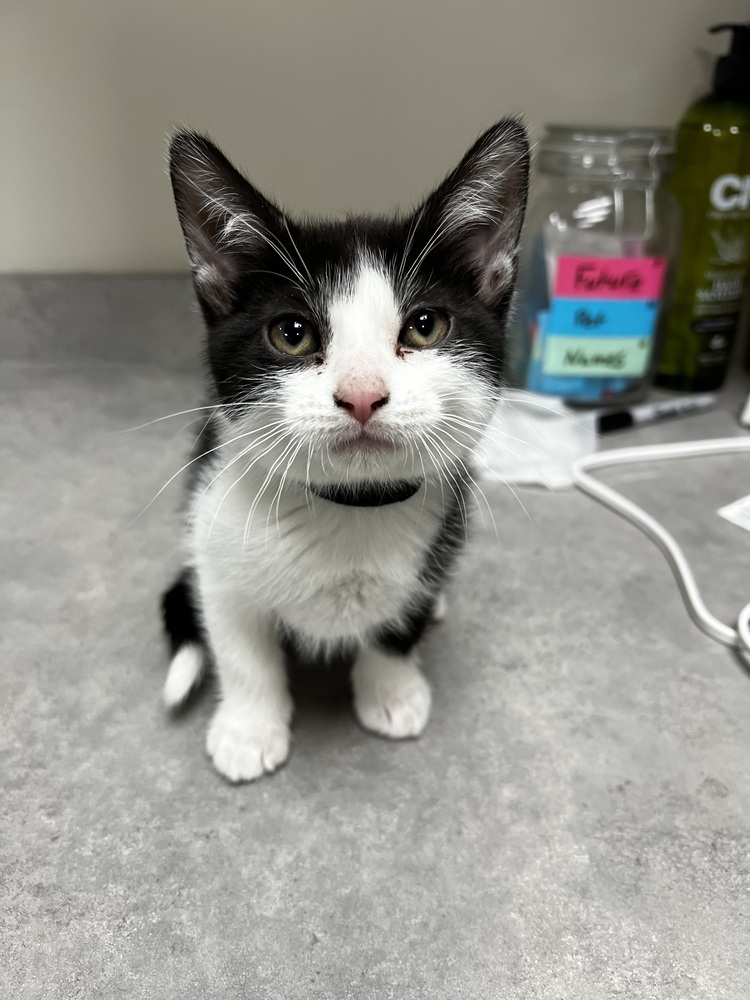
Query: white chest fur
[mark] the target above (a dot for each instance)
(328, 571)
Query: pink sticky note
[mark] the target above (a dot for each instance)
(610, 277)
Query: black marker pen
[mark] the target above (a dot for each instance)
(652, 413)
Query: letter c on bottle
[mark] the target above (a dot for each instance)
(725, 192)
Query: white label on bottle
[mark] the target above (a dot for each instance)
(738, 513)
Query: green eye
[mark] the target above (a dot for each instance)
(424, 328)
(294, 336)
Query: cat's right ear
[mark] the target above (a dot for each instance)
(224, 219)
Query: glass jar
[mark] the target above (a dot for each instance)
(601, 232)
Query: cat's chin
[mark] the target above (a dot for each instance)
(368, 456)
(362, 448)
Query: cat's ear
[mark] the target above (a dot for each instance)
(477, 212)
(224, 219)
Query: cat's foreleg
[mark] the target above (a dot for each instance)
(391, 695)
(249, 732)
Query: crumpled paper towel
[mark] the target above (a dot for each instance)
(534, 439)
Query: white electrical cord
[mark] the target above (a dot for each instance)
(738, 638)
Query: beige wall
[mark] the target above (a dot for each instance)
(328, 105)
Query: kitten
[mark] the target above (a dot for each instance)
(352, 367)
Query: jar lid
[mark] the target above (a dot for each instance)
(602, 152)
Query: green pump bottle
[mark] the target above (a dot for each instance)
(711, 182)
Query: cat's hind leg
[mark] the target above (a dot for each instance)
(186, 640)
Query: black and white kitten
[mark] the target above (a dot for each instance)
(353, 367)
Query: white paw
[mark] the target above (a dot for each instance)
(245, 745)
(391, 697)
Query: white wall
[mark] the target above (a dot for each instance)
(329, 105)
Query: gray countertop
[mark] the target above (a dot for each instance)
(575, 822)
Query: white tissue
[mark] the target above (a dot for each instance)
(535, 439)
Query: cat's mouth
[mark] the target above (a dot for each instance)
(364, 442)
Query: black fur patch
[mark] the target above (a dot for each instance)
(401, 637)
(450, 539)
(180, 613)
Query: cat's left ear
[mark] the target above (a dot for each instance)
(478, 210)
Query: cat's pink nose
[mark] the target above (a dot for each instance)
(361, 405)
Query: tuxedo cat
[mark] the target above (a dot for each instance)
(351, 367)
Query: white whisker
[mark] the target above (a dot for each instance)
(277, 497)
(261, 491)
(269, 430)
(242, 475)
(169, 416)
(187, 465)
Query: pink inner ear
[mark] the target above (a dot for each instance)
(494, 267)
(214, 287)
(214, 262)
(497, 278)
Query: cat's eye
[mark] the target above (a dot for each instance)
(294, 336)
(424, 328)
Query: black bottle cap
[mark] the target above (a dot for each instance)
(732, 73)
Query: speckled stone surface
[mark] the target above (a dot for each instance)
(575, 823)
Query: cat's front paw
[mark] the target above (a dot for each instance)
(245, 745)
(391, 697)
